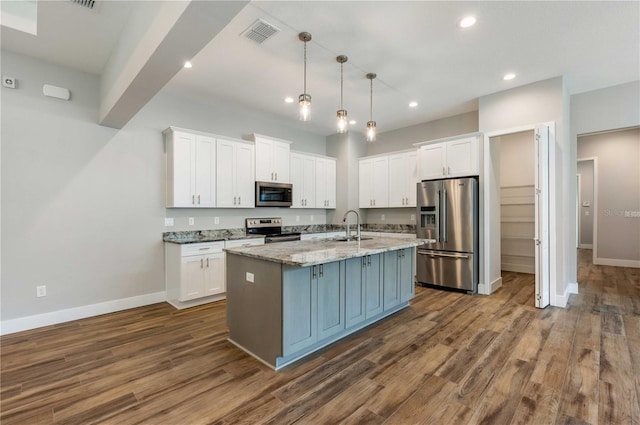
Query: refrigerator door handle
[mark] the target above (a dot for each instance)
(440, 254)
(444, 216)
(438, 215)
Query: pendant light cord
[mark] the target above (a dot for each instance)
(304, 91)
(371, 100)
(341, 65)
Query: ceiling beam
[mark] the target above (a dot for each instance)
(159, 38)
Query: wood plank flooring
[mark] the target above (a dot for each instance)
(448, 359)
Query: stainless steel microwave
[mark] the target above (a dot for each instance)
(269, 194)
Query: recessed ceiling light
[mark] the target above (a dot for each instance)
(466, 22)
(413, 104)
(288, 100)
(188, 64)
(353, 122)
(509, 76)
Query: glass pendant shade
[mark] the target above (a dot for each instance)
(305, 107)
(342, 121)
(371, 131)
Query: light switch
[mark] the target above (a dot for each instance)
(191, 221)
(249, 277)
(586, 213)
(168, 221)
(216, 220)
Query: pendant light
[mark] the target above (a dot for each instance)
(342, 113)
(304, 100)
(371, 124)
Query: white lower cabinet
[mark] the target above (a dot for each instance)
(195, 273)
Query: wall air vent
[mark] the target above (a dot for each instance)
(88, 4)
(260, 31)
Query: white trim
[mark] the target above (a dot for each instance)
(518, 268)
(572, 288)
(561, 300)
(75, 313)
(198, 301)
(495, 285)
(578, 206)
(616, 262)
(446, 139)
(586, 246)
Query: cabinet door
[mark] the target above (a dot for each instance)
(411, 178)
(280, 159)
(192, 277)
(299, 309)
(432, 161)
(380, 187)
(325, 183)
(205, 172)
(373, 283)
(214, 279)
(309, 177)
(264, 154)
(462, 157)
(391, 287)
(245, 185)
(330, 300)
(181, 169)
(365, 176)
(225, 170)
(406, 274)
(297, 180)
(330, 180)
(354, 291)
(397, 185)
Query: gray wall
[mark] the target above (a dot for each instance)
(585, 170)
(517, 159)
(404, 138)
(618, 154)
(83, 205)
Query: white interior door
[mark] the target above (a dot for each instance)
(541, 237)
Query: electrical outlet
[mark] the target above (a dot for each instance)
(311, 218)
(41, 291)
(216, 220)
(191, 221)
(382, 217)
(249, 277)
(297, 219)
(168, 221)
(413, 217)
(9, 82)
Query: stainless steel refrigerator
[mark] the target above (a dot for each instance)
(448, 213)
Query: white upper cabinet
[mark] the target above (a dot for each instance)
(191, 174)
(452, 158)
(235, 168)
(303, 179)
(272, 159)
(374, 182)
(403, 176)
(325, 183)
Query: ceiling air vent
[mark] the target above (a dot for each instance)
(259, 31)
(88, 4)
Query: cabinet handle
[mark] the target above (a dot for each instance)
(313, 272)
(207, 263)
(201, 263)
(198, 199)
(204, 249)
(374, 202)
(276, 176)
(239, 200)
(193, 199)
(443, 171)
(234, 200)
(321, 270)
(449, 169)
(364, 262)
(369, 260)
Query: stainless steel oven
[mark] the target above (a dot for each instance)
(269, 194)
(271, 228)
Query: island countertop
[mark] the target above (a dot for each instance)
(313, 252)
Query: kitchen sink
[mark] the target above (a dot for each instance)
(345, 239)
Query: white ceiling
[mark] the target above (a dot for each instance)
(414, 47)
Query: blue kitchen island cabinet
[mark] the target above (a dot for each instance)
(287, 300)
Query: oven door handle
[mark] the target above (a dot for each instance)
(439, 254)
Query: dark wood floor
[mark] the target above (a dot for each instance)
(448, 359)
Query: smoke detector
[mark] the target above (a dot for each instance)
(260, 31)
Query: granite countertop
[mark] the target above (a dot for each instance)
(199, 236)
(309, 253)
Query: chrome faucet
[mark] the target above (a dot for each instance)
(344, 220)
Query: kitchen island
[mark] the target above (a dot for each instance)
(287, 300)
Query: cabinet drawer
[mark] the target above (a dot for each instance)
(201, 248)
(243, 242)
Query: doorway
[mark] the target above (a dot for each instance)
(527, 203)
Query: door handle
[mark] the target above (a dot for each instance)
(444, 217)
(439, 254)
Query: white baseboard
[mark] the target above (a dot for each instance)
(585, 246)
(616, 262)
(484, 290)
(563, 300)
(572, 288)
(518, 268)
(61, 316)
(193, 303)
